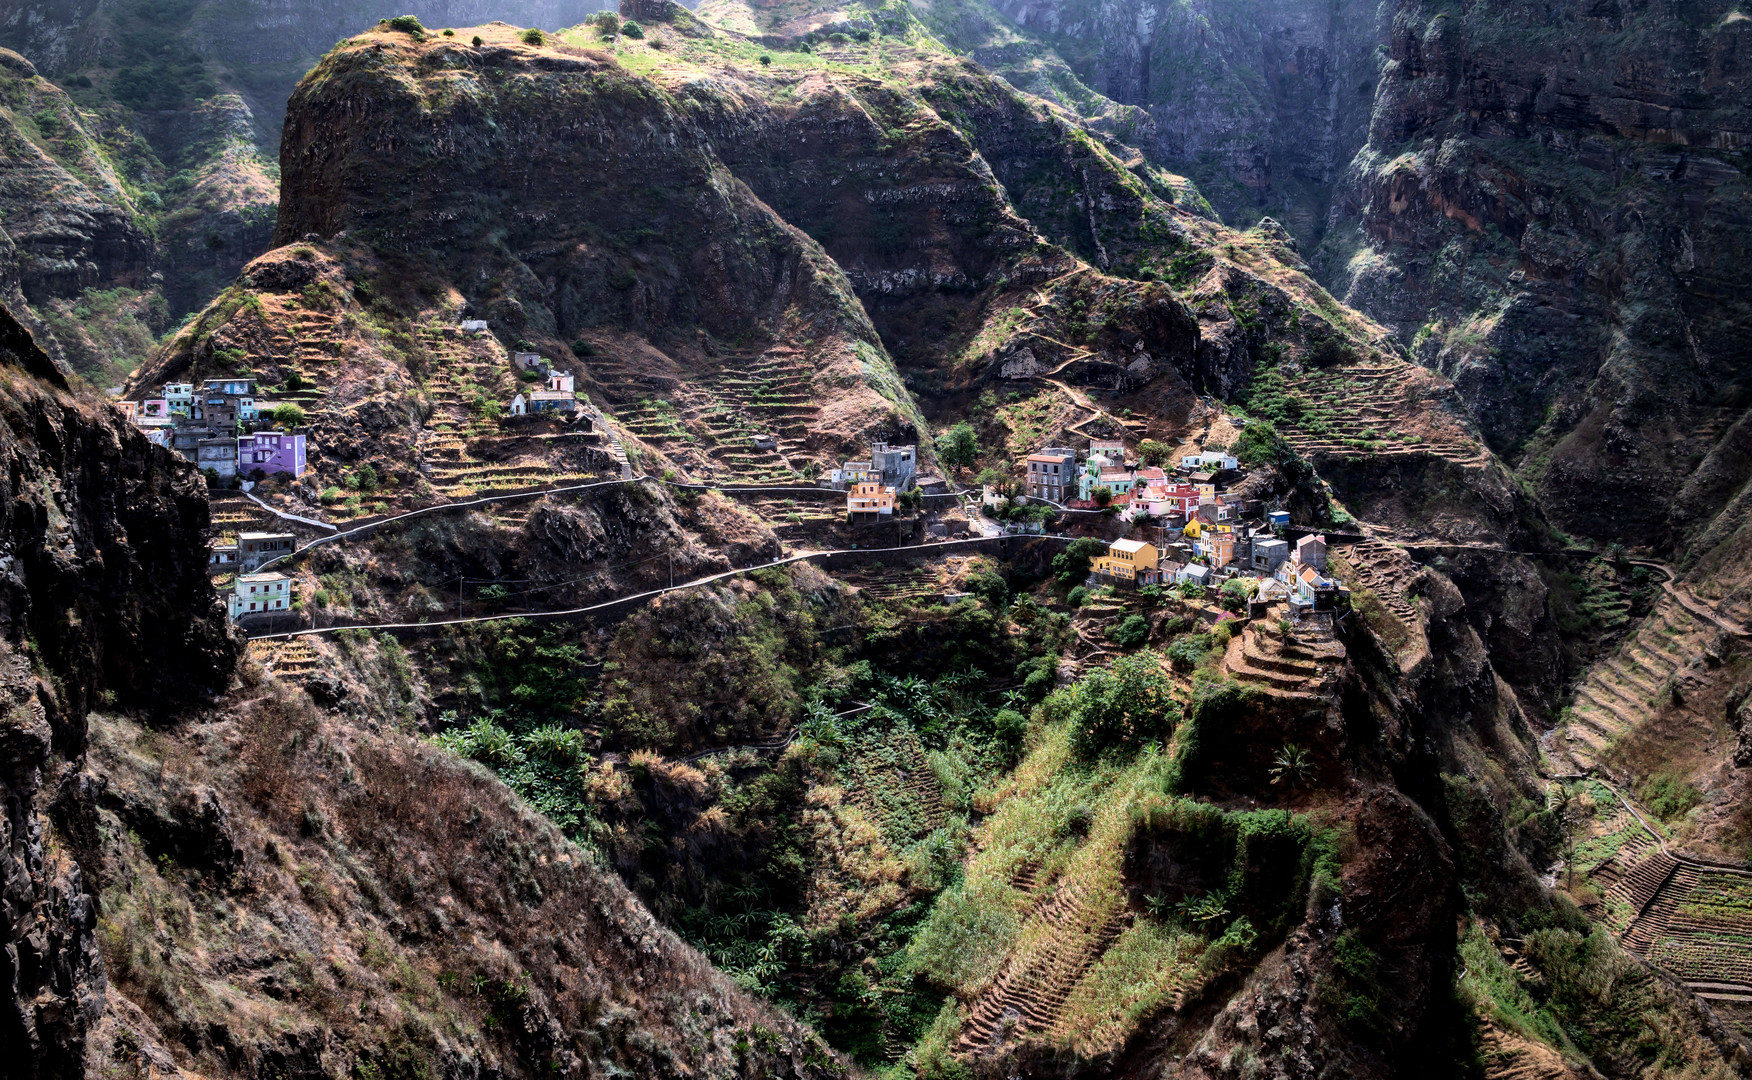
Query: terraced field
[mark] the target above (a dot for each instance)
(1690, 918)
(292, 658)
(1622, 690)
(708, 426)
(457, 442)
(1067, 932)
(895, 583)
(231, 513)
(1300, 665)
(890, 780)
(1384, 410)
(1384, 570)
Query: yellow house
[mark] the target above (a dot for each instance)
(1129, 560)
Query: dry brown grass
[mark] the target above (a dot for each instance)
(389, 889)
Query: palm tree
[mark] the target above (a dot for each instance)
(1292, 764)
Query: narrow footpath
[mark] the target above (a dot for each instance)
(651, 593)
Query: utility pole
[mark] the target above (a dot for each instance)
(459, 594)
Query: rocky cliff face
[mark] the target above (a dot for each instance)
(1263, 104)
(182, 859)
(165, 119)
(104, 603)
(1552, 210)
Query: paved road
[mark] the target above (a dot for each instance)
(648, 594)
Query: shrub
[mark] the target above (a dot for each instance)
(1152, 452)
(1122, 707)
(478, 42)
(532, 36)
(288, 415)
(1130, 633)
(1260, 444)
(407, 24)
(365, 478)
(1188, 651)
(1190, 590)
(1102, 496)
(1669, 795)
(959, 445)
(331, 495)
(1151, 595)
(1235, 593)
(989, 586)
(1072, 564)
(449, 33)
(1077, 597)
(632, 29)
(1011, 727)
(495, 593)
(765, 60)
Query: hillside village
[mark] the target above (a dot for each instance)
(1183, 524)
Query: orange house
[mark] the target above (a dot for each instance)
(869, 501)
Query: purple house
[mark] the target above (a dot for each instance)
(271, 452)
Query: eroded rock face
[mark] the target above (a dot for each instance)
(1558, 220)
(1262, 103)
(103, 594)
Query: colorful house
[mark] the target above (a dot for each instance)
(271, 452)
(560, 381)
(180, 396)
(1278, 519)
(868, 501)
(130, 409)
(216, 394)
(222, 555)
(1130, 561)
(540, 401)
(1208, 461)
(1311, 551)
(1052, 474)
(1110, 451)
(155, 407)
(256, 594)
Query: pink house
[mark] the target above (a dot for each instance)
(271, 452)
(155, 407)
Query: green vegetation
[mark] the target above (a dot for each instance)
(407, 24)
(1072, 564)
(159, 67)
(1119, 708)
(1669, 795)
(287, 415)
(959, 446)
(1130, 632)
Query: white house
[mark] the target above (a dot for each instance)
(255, 594)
